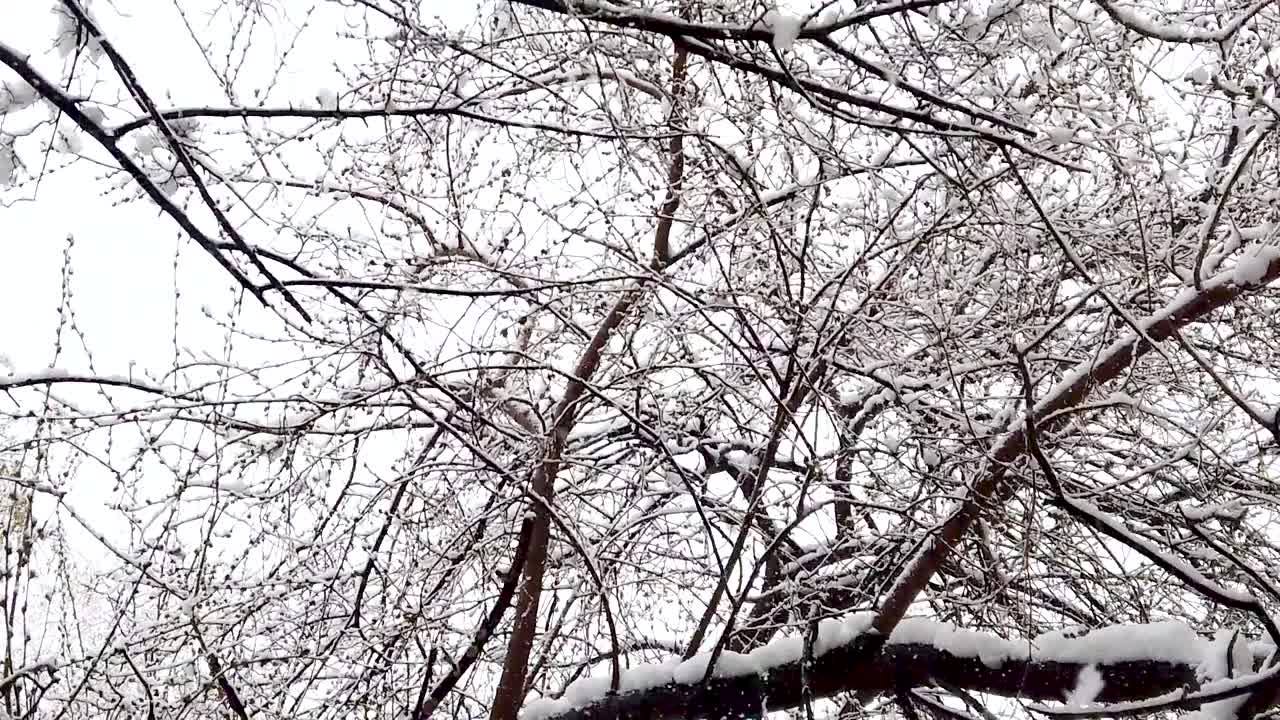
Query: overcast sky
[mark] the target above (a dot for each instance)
(126, 257)
(124, 254)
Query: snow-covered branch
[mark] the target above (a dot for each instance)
(1160, 663)
(1180, 33)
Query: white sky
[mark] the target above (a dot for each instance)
(123, 255)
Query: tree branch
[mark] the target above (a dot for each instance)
(994, 487)
(1041, 671)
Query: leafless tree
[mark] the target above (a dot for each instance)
(661, 359)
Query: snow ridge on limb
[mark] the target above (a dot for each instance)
(1228, 685)
(1128, 662)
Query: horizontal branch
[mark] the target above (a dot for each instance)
(1183, 32)
(358, 284)
(54, 377)
(1135, 663)
(639, 18)
(367, 113)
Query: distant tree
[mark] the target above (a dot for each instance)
(665, 359)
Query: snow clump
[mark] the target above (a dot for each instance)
(1253, 267)
(786, 29)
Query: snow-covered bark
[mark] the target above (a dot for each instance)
(1135, 668)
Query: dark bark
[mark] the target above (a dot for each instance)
(867, 667)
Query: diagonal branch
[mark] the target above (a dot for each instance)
(143, 99)
(21, 65)
(427, 705)
(995, 486)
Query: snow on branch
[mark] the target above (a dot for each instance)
(1164, 662)
(55, 376)
(1168, 32)
(366, 113)
(635, 16)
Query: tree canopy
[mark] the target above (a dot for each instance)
(644, 359)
